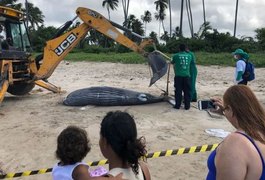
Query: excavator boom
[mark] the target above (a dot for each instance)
(56, 49)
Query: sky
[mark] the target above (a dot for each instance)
(220, 14)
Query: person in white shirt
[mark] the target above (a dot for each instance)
(240, 57)
(120, 145)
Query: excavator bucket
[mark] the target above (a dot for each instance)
(158, 65)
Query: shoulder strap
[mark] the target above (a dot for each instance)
(253, 142)
(246, 62)
(145, 171)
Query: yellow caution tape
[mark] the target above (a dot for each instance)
(180, 151)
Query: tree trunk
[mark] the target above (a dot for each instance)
(235, 18)
(163, 26)
(203, 7)
(27, 14)
(159, 29)
(125, 5)
(145, 29)
(181, 18)
(191, 19)
(108, 12)
(170, 18)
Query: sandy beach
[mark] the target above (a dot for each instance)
(30, 124)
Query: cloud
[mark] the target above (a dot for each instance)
(220, 14)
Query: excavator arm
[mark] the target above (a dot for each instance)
(101, 24)
(56, 49)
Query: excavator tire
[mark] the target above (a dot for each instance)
(20, 88)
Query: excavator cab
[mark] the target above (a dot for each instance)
(14, 53)
(13, 32)
(17, 36)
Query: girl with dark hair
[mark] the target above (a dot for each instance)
(72, 147)
(120, 145)
(241, 155)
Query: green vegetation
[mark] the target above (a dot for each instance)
(226, 59)
(126, 58)
(203, 58)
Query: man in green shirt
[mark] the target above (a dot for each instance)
(182, 81)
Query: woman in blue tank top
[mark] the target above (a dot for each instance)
(241, 154)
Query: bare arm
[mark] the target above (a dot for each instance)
(230, 159)
(81, 173)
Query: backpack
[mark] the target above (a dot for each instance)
(249, 73)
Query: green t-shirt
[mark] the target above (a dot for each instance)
(182, 63)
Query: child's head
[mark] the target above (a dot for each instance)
(118, 129)
(72, 145)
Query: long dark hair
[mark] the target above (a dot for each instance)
(120, 131)
(247, 109)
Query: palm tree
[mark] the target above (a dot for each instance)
(203, 8)
(125, 5)
(170, 18)
(131, 18)
(153, 36)
(146, 18)
(161, 6)
(137, 27)
(176, 32)
(181, 18)
(128, 24)
(165, 37)
(235, 18)
(110, 4)
(27, 12)
(35, 16)
(204, 28)
(190, 19)
(160, 17)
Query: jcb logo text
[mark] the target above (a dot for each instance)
(65, 44)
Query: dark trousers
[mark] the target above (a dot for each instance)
(182, 84)
(243, 82)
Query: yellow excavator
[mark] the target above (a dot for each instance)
(20, 71)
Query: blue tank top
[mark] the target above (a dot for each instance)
(212, 169)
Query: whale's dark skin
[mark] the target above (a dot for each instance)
(109, 96)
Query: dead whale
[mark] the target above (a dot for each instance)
(109, 96)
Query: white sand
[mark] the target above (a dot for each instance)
(30, 124)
